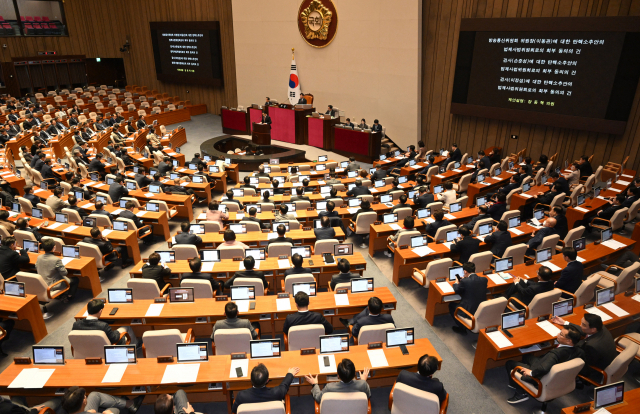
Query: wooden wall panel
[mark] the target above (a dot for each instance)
(440, 26)
(100, 28)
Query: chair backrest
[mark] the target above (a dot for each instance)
(325, 246)
(489, 313)
(476, 227)
(618, 367)
(185, 251)
(560, 380)
(344, 402)
(250, 281)
(435, 269)
(229, 252)
(305, 336)
(143, 289)
(430, 172)
(374, 333)
(299, 278)
(232, 340)
(161, 342)
(21, 235)
(364, 222)
(626, 277)
(517, 252)
(211, 226)
(482, 260)
(270, 407)
(632, 213)
(409, 400)
(557, 200)
(574, 194)
(441, 233)
(586, 290)
(435, 207)
(251, 226)
(279, 249)
(88, 344)
(573, 234)
(91, 250)
(542, 303)
(232, 207)
(617, 221)
(34, 284)
(47, 211)
(403, 213)
(201, 288)
(463, 184)
(102, 220)
(509, 214)
(405, 237)
(25, 205)
(302, 204)
(549, 241)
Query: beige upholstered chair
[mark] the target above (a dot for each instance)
(185, 251)
(324, 246)
(279, 249)
(226, 341)
(516, 252)
(363, 223)
(74, 216)
(201, 288)
(92, 250)
(559, 381)
(435, 207)
(302, 204)
(163, 342)
(616, 222)
(343, 403)
(229, 252)
(573, 234)
(260, 290)
(463, 184)
(211, 226)
(102, 220)
(488, 314)
(617, 368)
(22, 235)
(621, 282)
(303, 336)
(441, 233)
(586, 290)
(143, 289)
(434, 270)
(34, 284)
(476, 227)
(90, 344)
(373, 333)
(405, 238)
(541, 304)
(509, 214)
(47, 211)
(251, 226)
(623, 341)
(482, 260)
(25, 206)
(287, 283)
(231, 206)
(271, 407)
(404, 399)
(549, 242)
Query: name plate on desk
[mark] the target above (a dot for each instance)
(221, 232)
(238, 259)
(491, 329)
(403, 247)
(306, 228)
(283, 295)
(374, 345)
(238, 355)
(160, 300)
(282, 256)
(307, 351)
(22, 360)
(93, 361)
(440, 280)
(377, 223)
(266, 231)
(165, 358)
(342, 291)
(582, 407)
(588, 305)
(543, 318)
(311, 208)
(223, 298)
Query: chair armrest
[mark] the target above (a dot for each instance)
(526, 308)
(459, 319)
(287, 404)
(391, 395)
(286, 342)
(46, 410)
(606, 270)
(10, 278)
(368, 406)
(125, 335)
(424, 276)
(496, 257)
(355, 340)
(329, 284)
(317, 406)
(575, 299)
(144, 235)
(190, 337)
(612, 279)
(104, 256)
(601, 219)
(524, 387)
(167, 286)
(540, 204)
(457, 263)
(529, 257)
(282, 285)
(592, 382)
(266, 291)
(445, 405)
(625, 336)
(61, 291)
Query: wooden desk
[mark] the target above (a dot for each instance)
(628, 406)
(158, 220)
(14, 181)
(592, 206)
(518, 201)
(84, 268)
(234, 122)
(261, 134)
(364, 146)
(451, 175)
(26, 311)
(409, 170)
(181, 203)
(289, 124)
(476, 190)
(321, 131)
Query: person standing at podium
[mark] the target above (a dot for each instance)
(266, 119)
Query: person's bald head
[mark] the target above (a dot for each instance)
(550, 222)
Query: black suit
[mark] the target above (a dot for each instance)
(564, 185)
(325, 233)
(215, 285)
(117, 191)
(526, 291)
(364, 318)
(470, 225)
(281, 240)
(255, 220)
(499, 241)
(423, 201)
(156, 273)
(496, 210)
(358, 190)
(535, 241)
(328, 214)
(141, 124)
(541, 365)
(297, 271)
(343, 278)
(378, 174)
(599, 348)
(466, 247)
(608, 212)
(247, 273)
(142, 180)
(571, 277)
(508, 188)
(267, 120)
(428, 384)
(96, 165)
(562, 227)
(34, 199)
(83, 213)
(131, 215)
(264, 394)
(10, 261)
(585, 169)
(98, 325)
(472, 291)
(432, 228)
(47, 173)
(187, 238)
(306, 318)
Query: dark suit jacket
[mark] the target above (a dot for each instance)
(455, 156)
(164, 167)
(585, 169)
(356, 191)
(328, 213)
(343, 278)
(10, 261)
(473, 291)
(47, 172)
(97, 325)
(215, 285)
(247, 273)
(525, 292)
(142, 180)
(83, 213)
(281, 240)
(34, 199)
(104, 213)
(428, 384)
(564, 185)
(562, 227)
(96, 165)
(378, 174)
(470, 225)
(571, 277)
(547, 198)
(325, 233)
(186, 238)
(496, 210)
(508, 188)
(130, 215)
(267, 120)
(424, 200)
(466, 247)
(306, 318)
(297, 271)
(599, 349)
(499, 240)
(156, 273)
(535, 241)
(540, 366)
(141, 124)
(105, 246)
(255, 220)
(487, 162)
(432, 228)
(364, 318)
(264, 394)
(117, 191)
(608, 212)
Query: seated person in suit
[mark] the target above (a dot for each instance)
(482, 215)
(107, 249)
(465, 245)
(514, 182)
(282, 214)
(297, 268)
(22, 224)
(195, 264)
(525, 291)
(472, 290)
(99, 209)
(539, 235)
(252, 217)
(359, 189)
(410, 154)
(497, 209)
(423, 199)
(249, 264)
(561, 181)
(500, 239)
(561, 227)
(539, 366)
(347, 374)
(352, 165)
(345, 274)
(431, 161)
(141, 177)
(186, 237)
(402, 203)
(423, 379)
(606, 214)
(572, 275)
(379, 173)
(76, 401)
(52, 270)
(329, 212)
(233, 322)
(259, 392)
(326, 232)
(432, 228)
(329, 110)
(117, 190)
(300, 195)
(73, 205)
(247, 184)
(304, 316)
(231, 200)
(363, 125)
(47, 173)
(371, 315)
(449, 195)
(348, 123)
(281, 230)
(408, 225)
(213, 214)
(332, 194)
(365, 206)
(376, 127)
(96, 165)
(302, 100)
(155, 270)
(93, 323)
(585, 168)
(542, 198)
(454, 155)
(276, 191)
(55, 202)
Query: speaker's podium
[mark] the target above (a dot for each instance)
(261, 134)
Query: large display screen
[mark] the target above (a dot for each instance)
(577, 73)
(187, 52)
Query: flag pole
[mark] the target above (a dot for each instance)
(292, 53)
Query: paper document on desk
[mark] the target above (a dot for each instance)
(114, 373)
(486, 183)
(614, 244)
(602, 411)
(395, 226)
(615, 190)
(154, 309)
(182, 373)
(422, 251)
(532, 348)
(321, 182)
(239, 216)
(148, 195)
(141, 213)
(496, 279)
(415, 167)
(439, 176)
(53, 226)
(352, 210)
(596, 311)
(636, 298)
(450, 216)
(448, 244)
(243, 305)
(456, 170)
(377, 358)
(207, 266)
(481, 238)
(549, 328)
(342, 299)
(499, 339)
(584, 210)
(272, 236)
(202, 216)
(516, 231)
(239, 363)
(106, 232)
(283, 304)
(283, 263)
(445, 287)
(332, 364)
(615, 309)
(117, 212)
(621, 182)
(65, 260)
(551, 266)
(580, 259)
(526, 195)
(70, 228)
